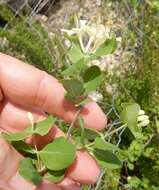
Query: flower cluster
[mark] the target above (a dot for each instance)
(90, 35)
(143, 120)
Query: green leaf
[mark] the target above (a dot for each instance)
(74, 87)
(18, 136)
(42, 128)
(74, 69)
(75, 54)
(90, 134)
(129, 116)
(107, 48)
(93, 84)
(58, 155)
(103, 145)
(55, 176)
(107, 159)
(22, 146)
(28, 171)
(91, 73)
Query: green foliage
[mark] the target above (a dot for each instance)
(41, 128)
(75, 53)
(137, 82)
(28, 42)
(107, 48)
(23, 147)
(55, 176)
(74, 69)
(132, 164)
(129, 117)
(58, 155)
(104, 145)
(107, 159)
(28, 170)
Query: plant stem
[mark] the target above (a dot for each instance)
(107, 135)
(73, 124)
(37, 155)
(115, 130)
(43, 171)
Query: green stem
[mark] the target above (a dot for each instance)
(73, 124)
(107, 135)
(115, 130)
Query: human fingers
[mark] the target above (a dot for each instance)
(26, 85)
(1, 95)
(69, 184)
(18, 120)
(9, 162)
(85, 169)
(46, 185)
(77, 170)
(14, 118)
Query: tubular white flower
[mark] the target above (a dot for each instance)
(143, 123)
(142, 117)
(97, 34)
(141, 112)
(143, 120)
(96, 96)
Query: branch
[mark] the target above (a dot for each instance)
(73, 124)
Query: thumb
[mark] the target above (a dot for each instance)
(9, 163)
(4, 186)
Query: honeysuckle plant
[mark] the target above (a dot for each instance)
(89, 41)
(90, 35)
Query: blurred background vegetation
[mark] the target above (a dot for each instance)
(30, 32)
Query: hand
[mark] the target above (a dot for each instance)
(23, 89)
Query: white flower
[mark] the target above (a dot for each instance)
(96, 96)
(90, 35)
(143, 120)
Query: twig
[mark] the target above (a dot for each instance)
(118, 143)
(73, 124)
(115, 130)
(99, 180)
(109, 134)
(149, 140)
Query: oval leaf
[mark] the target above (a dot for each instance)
(74, 69)
(42, 128)
(90, 134)
(58, 155)
(23, 147)
(93, 84)
(75, 53)
(18, 136)
(101, 144)
(91, 73)
(107, 48)
(74, 87)
(129, 116)
(28, 171)
(55, 176)
(107, 159)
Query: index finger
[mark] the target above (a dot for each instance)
(25, 85)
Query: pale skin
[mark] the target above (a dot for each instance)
(24, 88)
